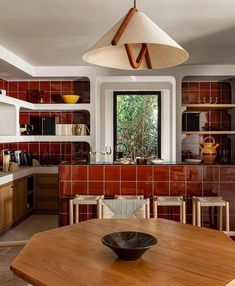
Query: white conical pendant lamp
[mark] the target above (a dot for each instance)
(136, 42)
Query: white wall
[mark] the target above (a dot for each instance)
(104, 108)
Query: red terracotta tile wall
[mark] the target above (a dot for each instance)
(175, 180)
(51, 90)
(191, 91)
(51, 153)
(3, 84)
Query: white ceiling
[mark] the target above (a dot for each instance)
(58, 32)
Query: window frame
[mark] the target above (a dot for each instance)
(143, 93)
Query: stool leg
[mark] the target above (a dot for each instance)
(198, 204)
(70, 211)
(220, 218)
(155, 206)
(99, 210)
(184, 212)
(181, 212)
(147, 208)
(194, 211)
(227, 216)
(77, 213)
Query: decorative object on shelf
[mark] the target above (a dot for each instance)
(129, 245)
(48, 125)
(136, 35)
(70, 98)
(224, 156)
(193, 161)
(141, 160)
(3, 92)
(208, 151)
(81, 130)
(208, 102)
(108, 152)
(72, 130)
(191, 121)
(121, 151)
(26, 129)
(157, 161)
(92, 153)
(14, 167)
(35, 163)
(6, 163)
(35, 96)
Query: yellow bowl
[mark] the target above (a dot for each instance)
(70, 98)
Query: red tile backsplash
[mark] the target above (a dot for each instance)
(96, 173)
(112, 188)
(187, 181)
(112, 173)
(145, 189)
(128, 173)
(79, 173)
(161, 173)
(65, 189)
(177, 189)
(211, 173)
(95, 188)
(194, 173)
(161, 188)
(177, 173)
(79, 188)
(128, 188)
(51, 153)
(144, 173)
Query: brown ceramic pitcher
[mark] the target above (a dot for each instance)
(208, 151)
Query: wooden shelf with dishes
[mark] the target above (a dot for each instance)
(229, 132)
(44, 138)
(206, 107)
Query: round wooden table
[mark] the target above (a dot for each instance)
(74, 255)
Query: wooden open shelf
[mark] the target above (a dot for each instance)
(208, 106)
(209, 132)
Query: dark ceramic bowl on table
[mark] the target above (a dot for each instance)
(129, 245)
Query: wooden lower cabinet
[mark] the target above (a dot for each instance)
(13, 202)
(19, 199)
(47, 193)
(6, 205)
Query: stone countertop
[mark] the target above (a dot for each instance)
(6, 177)
(77, 163)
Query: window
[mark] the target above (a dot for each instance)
(137, 124)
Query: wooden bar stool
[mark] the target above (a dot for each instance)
(80, 200)
(170, 201)
(199, 202)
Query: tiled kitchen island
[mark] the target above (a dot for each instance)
(174, 179)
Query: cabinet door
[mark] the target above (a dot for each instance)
(19, 199)
(6, 206)
(47, 193)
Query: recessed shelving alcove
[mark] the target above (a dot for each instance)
(208, 109)
(17, 107)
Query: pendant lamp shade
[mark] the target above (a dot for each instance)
(136, 38)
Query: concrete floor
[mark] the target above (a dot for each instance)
(23, 231)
